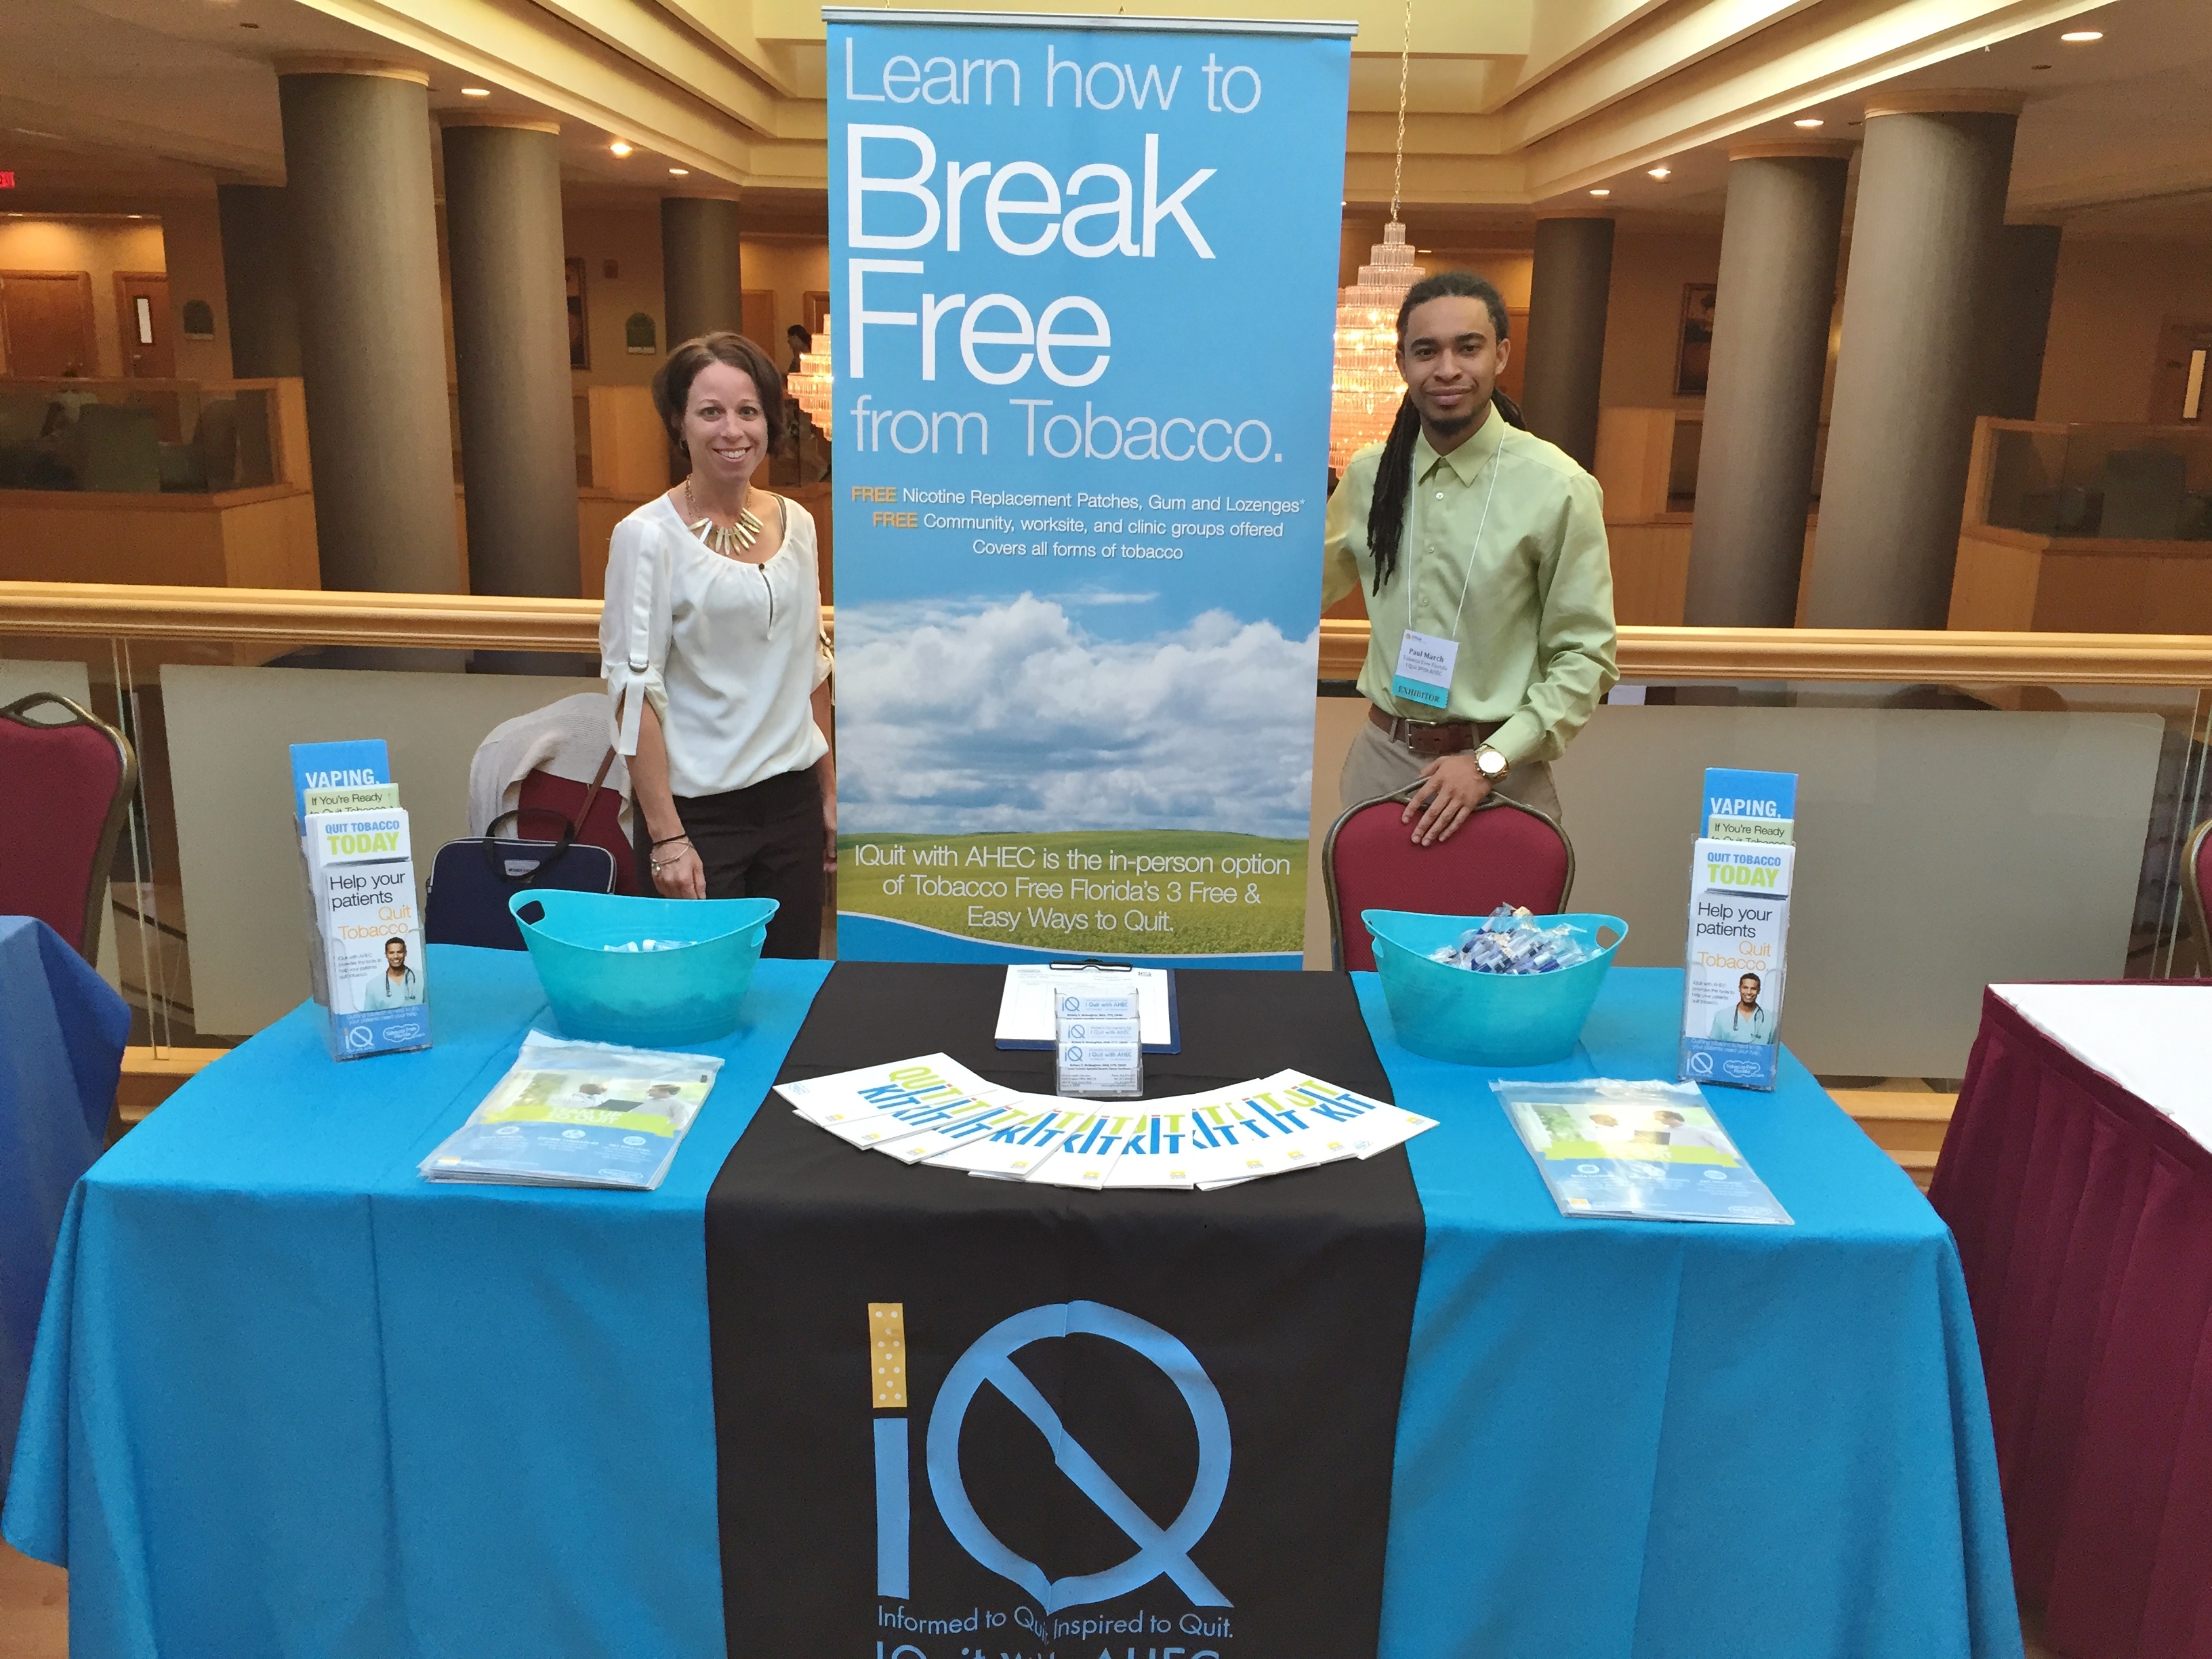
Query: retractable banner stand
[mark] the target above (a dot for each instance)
(1084, 279)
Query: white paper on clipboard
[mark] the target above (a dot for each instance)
(1026, 1005)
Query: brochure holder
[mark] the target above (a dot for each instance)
(1098, 1043)
(365, 957)
(1741, 875)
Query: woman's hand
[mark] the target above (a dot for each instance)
(830, 832)
(677, 870)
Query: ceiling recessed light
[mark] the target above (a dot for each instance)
(679, 172)
(1808, 121)
(476, 92)
(619, 148)
(2082, 37)
(1660, 172)
(1600, 192)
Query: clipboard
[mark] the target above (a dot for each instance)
(1089, 966)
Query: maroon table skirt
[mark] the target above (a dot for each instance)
(2084, 1222)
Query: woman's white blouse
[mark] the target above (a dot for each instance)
(727, 652)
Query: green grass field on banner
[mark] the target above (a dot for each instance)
(1156, 892)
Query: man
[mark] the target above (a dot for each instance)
(1744, 1020)
(399, 986)
(1482, 551)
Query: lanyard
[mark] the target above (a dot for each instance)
(1481, 524)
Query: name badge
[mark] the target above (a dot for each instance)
(1425, 669)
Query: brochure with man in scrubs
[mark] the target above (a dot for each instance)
(1645, 1151)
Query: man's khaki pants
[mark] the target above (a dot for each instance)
(1376, 767)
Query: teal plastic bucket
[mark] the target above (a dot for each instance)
(1485, 1019)
(644, 998)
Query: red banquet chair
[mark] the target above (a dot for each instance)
(69, 781)
(543, 793)
(1504, 853)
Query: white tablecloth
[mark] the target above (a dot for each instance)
(2154, 1041)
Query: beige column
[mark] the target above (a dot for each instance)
(1777, 290)
(1567, 295)
(701, 286)
(371, 331)
(1931, 196)
(505, 250)
(258, 291)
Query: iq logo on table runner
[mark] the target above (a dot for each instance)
(1158, 1551)
(957, 1419)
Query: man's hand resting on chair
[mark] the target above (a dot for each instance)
(1451, 788)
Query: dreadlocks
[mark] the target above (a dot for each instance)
(1394, 473)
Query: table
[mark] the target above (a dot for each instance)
(61, 1032)
(2083, 1213)
(290, 1399)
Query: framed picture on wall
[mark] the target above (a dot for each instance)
(1694, 359)
(580, 333)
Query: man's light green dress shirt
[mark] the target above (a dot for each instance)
(1536, 633)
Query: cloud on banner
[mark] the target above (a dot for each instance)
(1010, 715)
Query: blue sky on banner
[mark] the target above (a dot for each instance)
(1085, 290)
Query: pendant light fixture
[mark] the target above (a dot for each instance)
(1366, 387)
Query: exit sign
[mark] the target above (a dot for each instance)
(7, 181)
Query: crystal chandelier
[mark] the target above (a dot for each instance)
(1365, 389)
(814, 384)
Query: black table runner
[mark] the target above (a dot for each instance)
(1159, 1425)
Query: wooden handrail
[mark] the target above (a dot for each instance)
(462, 620)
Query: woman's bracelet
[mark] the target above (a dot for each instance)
(665, 839)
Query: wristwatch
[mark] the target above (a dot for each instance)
(1491, 764)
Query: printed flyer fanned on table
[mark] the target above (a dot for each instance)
(1085, 290)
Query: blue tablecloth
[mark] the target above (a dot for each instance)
(61, 1032)
(1685, 1442)
(290, 1399)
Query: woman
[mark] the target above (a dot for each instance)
(710, 643)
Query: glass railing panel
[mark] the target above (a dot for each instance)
(2137, 483)
(246, 458)
(229, 730)
(1951, 834)
(1682, 465)
(141, 947)
(2026, 467)
(1948, 837)
(128, 437)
